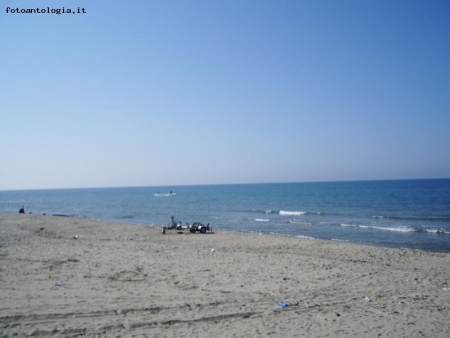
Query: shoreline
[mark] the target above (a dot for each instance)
(264, 233)
(78, 277)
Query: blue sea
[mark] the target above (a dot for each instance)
(412, 214)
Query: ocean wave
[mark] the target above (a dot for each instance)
(435, 231)
(286, 212)
(298, 222)
(164, 195)
(291, 213)
(267, 212)
(425, 219)
(397, 229)
(272, 233)
(261, 219)
(304, 237)
(402, 229)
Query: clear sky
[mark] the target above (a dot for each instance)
(145, 92)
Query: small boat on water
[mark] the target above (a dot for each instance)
(158, 194)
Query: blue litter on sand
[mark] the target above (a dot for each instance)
(283, 304)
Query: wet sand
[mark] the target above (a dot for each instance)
(69, 277)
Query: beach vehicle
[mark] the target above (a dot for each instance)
(199, 227)
(195, 227)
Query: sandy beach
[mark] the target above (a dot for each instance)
(68, 277)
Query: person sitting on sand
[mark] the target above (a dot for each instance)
(22, 210)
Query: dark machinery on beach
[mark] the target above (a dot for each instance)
(175, 224)
(200, 227)
(195, 227)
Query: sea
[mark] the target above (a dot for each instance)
(409, 214)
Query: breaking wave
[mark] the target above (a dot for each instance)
(291, 213)
(404, 229)
(298, 222)
(285, 212)
(425, 219)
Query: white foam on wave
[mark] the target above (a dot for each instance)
(291, 213)
(304, 237)
(261, 220)
(164, 195)
(347, 225)
(396, 229)
(437, 231)
(299, 222)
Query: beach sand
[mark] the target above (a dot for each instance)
(68, 277)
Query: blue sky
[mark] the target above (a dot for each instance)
(143, 93)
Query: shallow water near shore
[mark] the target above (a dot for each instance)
(411, 214)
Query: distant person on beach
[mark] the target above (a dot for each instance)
(22, 210)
